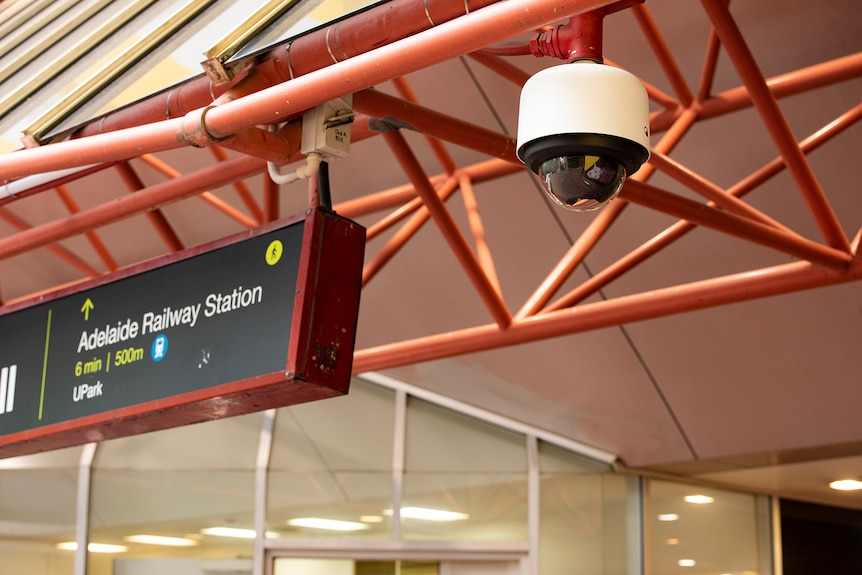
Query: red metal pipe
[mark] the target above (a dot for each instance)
(621, 266)
(441, 216)
(711, 191)
(363, 71)
(597, 228)
(52, 184)
(241, 188)
(813, 77)
(207, 196)
(807, 146)
(440, 151)
(92, 237)
(578, 39)
(106, 148)
(228, 210)
(586, 43)
(278, 147)
(386, 199)
(393, 218)
(172, 104)
(157, 218)
(502, 68)
(776, 124)
(784, 85)
(627, 309)
(405, 233)
(731, 224)
(56, 249)
(710, 63)
(679, 229)
(664, 55)
(123, 207)
(654, 93)
(573, 257)
(382, 200)
(317, 49)
(669, 140)
(480, 239)
(372, 29)
(433, 46)
(403, 113)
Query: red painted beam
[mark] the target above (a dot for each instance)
(627, 309)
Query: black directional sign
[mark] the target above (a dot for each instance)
(258, 321)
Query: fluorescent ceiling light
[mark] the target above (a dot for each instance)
(328, 524)
(93, 547)
(686, 562)
(429, 514)
(161, 540)
(371, 519)
(235, 532)
(699, 499)
(846, 485)
(668, 517)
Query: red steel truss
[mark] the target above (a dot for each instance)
(422, 34)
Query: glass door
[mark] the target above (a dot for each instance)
(289, 566)
(481, 568)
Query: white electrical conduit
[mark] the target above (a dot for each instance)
(303, 172)
(311, 166)
(13, 189)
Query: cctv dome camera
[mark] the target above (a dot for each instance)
(583, 128)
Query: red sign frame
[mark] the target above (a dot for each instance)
(319, 357)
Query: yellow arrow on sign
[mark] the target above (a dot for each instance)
(85, 309)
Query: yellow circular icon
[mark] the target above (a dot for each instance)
(273, 252)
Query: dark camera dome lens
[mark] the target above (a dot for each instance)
(582, 183)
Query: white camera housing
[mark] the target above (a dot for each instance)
(583, 128)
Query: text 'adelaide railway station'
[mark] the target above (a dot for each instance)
(153, 322)
(217, 332)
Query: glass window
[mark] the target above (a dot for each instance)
(37, 511)
(331, 466)
(464, 479)
(177, 484)
(588, 517)
(696, 529)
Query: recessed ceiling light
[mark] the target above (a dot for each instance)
(93, 547)
(672, 541)
(432, 514)
(328, 524)
(429, 514)
(846, 485)
(161, 540)
(230, 532)
(668, 517)
(686, 562)
(699, 499)
(236, 532)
